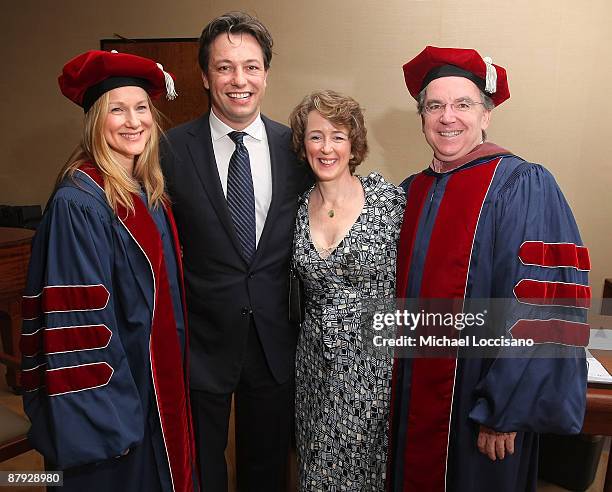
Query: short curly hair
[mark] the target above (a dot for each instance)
(340, 110)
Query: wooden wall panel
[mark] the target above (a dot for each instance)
(179, 56)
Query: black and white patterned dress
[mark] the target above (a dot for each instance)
(343, 389)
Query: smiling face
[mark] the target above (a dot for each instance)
(236, 79)
(327, 148)
(452, 134)
(128, 122)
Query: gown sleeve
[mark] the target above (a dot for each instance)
(79, 392)
(540, 270)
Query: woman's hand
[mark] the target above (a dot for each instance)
(495, 444)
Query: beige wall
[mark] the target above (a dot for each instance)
(558, 54)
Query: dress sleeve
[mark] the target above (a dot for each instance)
(393, 201)
(396, 206)
(540, 271)
(79, 392)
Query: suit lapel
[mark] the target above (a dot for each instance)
(203, 159)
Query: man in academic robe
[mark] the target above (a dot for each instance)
(482, 223)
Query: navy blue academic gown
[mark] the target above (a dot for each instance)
(102, 344)
(495, 227)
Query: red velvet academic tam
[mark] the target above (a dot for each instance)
(433, 63)
(85, 78)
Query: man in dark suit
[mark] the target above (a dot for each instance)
(234, 183)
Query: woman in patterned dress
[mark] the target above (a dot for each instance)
(345, 251)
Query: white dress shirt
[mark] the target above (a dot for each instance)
(256, 142)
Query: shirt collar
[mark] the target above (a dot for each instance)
(218, 129)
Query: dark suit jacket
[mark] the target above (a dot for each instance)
(223, 291)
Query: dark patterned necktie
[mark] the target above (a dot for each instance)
(240, 195)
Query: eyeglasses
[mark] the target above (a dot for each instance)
(435, 108)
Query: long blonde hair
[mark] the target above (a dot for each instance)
(118, 185)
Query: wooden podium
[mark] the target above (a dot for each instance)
(14, 258)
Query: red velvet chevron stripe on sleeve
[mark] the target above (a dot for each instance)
(61, 298)
(78, 378)
(32, 379)
(73, 338)
(31, 307)
(30, 344)
(567, 255)
(544, 293)
(552, 331)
